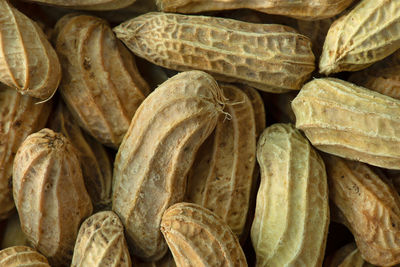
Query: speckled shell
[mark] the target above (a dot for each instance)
(371, 207)
(343, 119)
(221, 177)
(101, 86)
(157, 152)
(267, 57)
(301, 9)
(13, 235)
(50, 194)
(292, 213)
(94, 161)
(19, 256)
(368, 33)
(198, 237)
(28, 62)
(87, 4)
(101, 242)
(19, 117)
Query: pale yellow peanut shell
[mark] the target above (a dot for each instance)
(158, 151)
(101, 242)
(198, 237)
(221, 177)
(19, 116)
(291, 220)
(265, 56)
(368, 33)
(93, 158)
(28, 62)
(370, 206)
(301, 9)
(101, 86)
(18, 256)
(50, 194)
(343, 119)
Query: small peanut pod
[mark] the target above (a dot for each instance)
(371, 207)
(101, 242)
(343, 119)
(50, 194)
(267, 57)
(94, 161)
(221, 177)
(87, 4)
(301, 9)
(19, 117)
(368, 33)
(157, 152)
(198, 237)
(18, 256)
(101, 86)
(28, 62)
(291, 220)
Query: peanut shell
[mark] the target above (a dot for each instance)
(22, 256)
(87, 4)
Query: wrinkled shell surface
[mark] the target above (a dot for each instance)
(157, 152)
(291, 221)
(18, 256)
(50, 194)
(198, 237)
(101, 86)
(28, 62)
(267, 57)
(343, 119)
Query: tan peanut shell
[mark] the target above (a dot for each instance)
(368, 33)
(258, 107)
(221, 177)
(343, 119)
(101, 86)
(385, 81)
(13, 235)
(50, 194)
(354, 259)
(87, 4)
(198, 237)
(93, 159)
(19, 117)
(302, 9)
(159, 148)
(291, 220)
(267, 57)
(101, 242)
(19, 256)
(371, 207)
(28, 62)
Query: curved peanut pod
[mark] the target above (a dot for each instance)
(50, 194)
(198, 237)
(102, 86)
(101, 242)
(371, 208)
(157, 152)
(302, 9)
(94, 161)
(19, 117)
(368, 33)
(221, 177)
(291, 221)
(28, 62)
(271, 58)
(343, 119)
(87, 4)
(22, 256)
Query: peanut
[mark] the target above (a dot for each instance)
(158, 151)
(50, 194)
(22, 256)
(198, 237)
(267, 57)
(291, 221)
